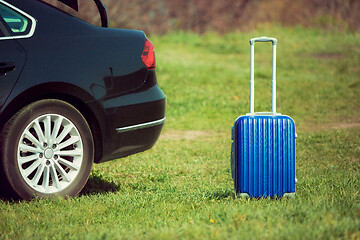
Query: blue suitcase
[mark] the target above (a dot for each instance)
(263, 147)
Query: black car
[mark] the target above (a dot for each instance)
(71, 94)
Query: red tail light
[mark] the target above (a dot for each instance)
(148, 55)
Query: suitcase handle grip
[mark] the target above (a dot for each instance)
(252, 83)
(263, 39)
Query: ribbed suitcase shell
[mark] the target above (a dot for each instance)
(264, 155)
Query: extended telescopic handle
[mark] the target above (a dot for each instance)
(252, 83)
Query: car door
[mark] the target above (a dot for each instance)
(12, 59)
(14, 24)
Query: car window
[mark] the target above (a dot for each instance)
(16, 22)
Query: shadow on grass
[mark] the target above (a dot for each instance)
(97, 184)
(219, 195)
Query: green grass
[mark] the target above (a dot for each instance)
(182, 188)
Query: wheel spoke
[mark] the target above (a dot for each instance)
(27, 148)
(54, 177)
(69, 142)
(26, 159)
(70, 153)
(31, 137)
(32, 167)
(46, 179)
(38, 174)
(62, 172)
(39, 132)
(64, 132)
(68, 164)
(47, 130)
(57, 125)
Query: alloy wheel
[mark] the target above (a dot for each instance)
(50, 153)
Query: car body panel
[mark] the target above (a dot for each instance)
(98, 70)
(11, 54)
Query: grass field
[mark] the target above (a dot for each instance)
(182, 188)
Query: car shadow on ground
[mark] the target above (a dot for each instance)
(97, 184)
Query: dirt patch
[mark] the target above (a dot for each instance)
(328, 55)
(190, 135)
(342, 125)
(336, 126)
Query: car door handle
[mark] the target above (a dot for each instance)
(6, 67)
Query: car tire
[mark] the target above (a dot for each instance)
(46, 150)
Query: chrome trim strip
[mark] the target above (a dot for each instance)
(141, 126)
(33, 22)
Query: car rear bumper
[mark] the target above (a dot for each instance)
(134, 127)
